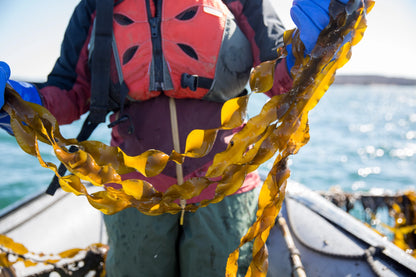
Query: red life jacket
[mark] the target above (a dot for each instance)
(186, 48)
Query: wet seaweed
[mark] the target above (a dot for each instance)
(280, 129)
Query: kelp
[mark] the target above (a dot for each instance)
(280, 129)
(390, 215)
(312, 76)
(71, 262)
(404, 213)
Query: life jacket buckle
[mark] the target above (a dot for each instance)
(189, 81)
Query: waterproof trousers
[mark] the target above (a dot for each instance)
(153, 246)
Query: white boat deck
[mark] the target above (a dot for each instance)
(53, 224)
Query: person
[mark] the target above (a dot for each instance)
(196, 55)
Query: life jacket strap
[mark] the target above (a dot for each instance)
(194, 81)
(100, 80)
(100, 67)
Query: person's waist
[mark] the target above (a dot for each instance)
(162, 182)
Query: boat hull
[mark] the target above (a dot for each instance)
(329, 241)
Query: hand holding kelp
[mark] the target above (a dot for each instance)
(312, 75)
(281, 128)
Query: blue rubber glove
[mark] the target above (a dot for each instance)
(4, 77)
(27, 91)
(310, 17)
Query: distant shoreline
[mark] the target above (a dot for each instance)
(373, 80)
(343, 79)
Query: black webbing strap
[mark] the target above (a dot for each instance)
(100, 79)
(100, 61)
(194, 81)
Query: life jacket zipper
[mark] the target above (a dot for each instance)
(155, 22)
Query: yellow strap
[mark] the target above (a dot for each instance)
(176, 146)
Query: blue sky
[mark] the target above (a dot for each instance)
(31, 32)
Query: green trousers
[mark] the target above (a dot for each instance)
(153, 246)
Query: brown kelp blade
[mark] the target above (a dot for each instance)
(312, 76)
(280, 129)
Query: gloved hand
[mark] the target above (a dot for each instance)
(4, 77)
(310, 17)
(27, 91)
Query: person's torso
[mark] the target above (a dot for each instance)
(187, 49)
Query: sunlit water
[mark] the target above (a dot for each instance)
(362, 138)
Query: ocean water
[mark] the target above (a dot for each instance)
(362, 138)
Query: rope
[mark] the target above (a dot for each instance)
(177, 148)
(297, 266)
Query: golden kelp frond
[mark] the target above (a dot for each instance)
(394, 213)
(312, 76)
(280, 129)
(404, 230)
(101, 165)
(68, 262)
